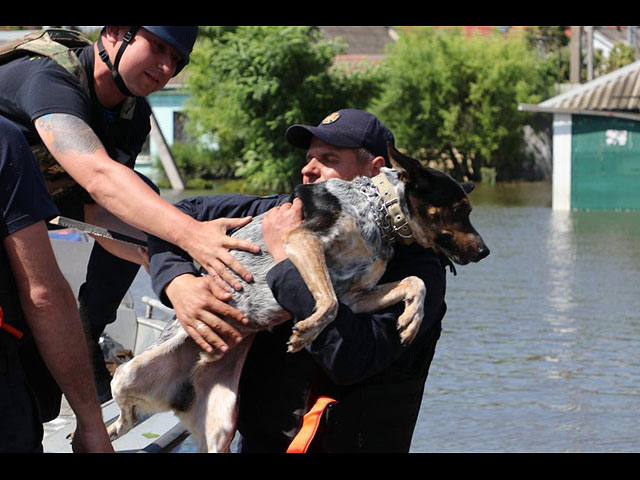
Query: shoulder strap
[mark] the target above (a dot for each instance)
(56, 44)
(310, 423)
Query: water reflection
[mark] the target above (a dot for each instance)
(560, 254)
(538, 352)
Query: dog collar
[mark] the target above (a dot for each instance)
(400, 226)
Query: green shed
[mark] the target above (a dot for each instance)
(596, 143)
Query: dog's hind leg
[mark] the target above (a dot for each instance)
(156, 380)
(411, 290)
(214, 412)
(306, 252)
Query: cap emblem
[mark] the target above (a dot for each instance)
(331, 118)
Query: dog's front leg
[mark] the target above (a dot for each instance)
(411, 290)
(307, 254)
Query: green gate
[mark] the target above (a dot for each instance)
(605, 163)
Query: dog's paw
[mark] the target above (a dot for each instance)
(296, 342)
(301, 336)
(411, 319)
(115, 430)
(409, 324)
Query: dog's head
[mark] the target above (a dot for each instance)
(439, 210)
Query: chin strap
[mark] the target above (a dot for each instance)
(113, 67)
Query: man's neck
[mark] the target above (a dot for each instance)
(106, 89)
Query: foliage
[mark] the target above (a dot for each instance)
(248, 84)
(548, 39)
(552, 43)
(453, 100)
(201, 165)
(450, 99)
(619, 56)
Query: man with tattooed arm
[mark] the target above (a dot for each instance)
(86, 128)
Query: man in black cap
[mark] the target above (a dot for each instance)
(358, 359)
(349, 128)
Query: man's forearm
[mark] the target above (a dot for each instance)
(115, 187)
(52, 315)
(59, 335)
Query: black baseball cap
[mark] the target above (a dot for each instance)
(349, 128)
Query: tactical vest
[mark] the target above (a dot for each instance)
(58, 45)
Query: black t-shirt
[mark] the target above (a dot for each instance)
(31, 87)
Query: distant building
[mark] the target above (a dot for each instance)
(596, 143)
(365, 45)
(605, 38)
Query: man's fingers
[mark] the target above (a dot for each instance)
(235, 243)
(208, 341)
(238, 243)
(226, 311)
(218, 271)
(218, 268)
(211, 333)
(297, 204)
(231, 279)
(219, 288)
(235, 222)
(234, 264)
(217, 332)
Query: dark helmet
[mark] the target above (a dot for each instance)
(180, 37)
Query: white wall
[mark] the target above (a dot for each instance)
(561, 162)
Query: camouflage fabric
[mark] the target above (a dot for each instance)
(57, 44)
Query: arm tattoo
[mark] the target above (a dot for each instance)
(70, 134)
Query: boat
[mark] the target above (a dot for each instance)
(128, 336)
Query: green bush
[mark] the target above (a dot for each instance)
(248, 84)
(453, 100)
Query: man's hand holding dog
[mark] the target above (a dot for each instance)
(200, 307)
(276, 223)
(200, 302)
(216, 257)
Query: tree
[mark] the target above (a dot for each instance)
(619, 56)
(453, 100)
(248, 84)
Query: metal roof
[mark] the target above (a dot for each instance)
(618, 90)
(616, 94)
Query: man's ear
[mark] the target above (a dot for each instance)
(376, 165)
(114, 33)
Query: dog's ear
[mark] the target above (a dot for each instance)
(408, 168)
(467, 187)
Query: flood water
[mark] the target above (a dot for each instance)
(540, 350)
